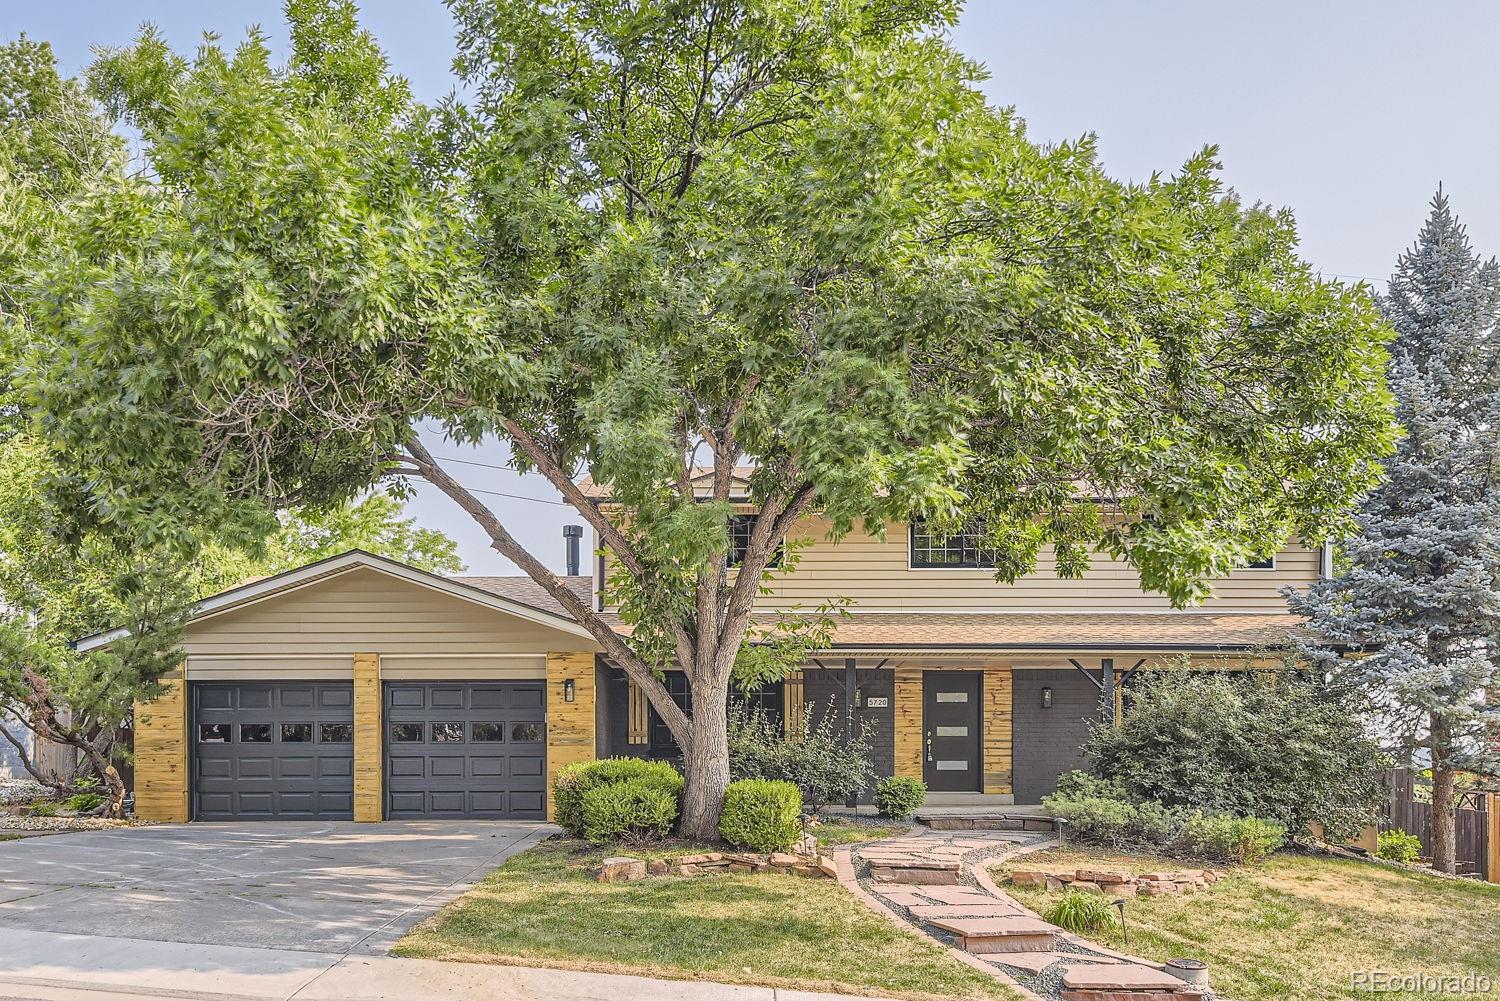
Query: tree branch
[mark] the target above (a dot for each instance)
(506, 545)
(767, 534)
(609, 533)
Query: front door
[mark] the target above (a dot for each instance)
(950, 724)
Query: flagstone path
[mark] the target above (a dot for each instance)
(936, 880)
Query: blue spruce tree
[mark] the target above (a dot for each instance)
(1416, 606)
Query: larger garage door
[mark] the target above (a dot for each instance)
(279, 750)
(465, 749)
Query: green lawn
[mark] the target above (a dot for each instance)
(1301, 926)
(847, 831)
(9, 837)
(542, 909)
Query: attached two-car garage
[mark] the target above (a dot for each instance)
(361, 689)
(285, 751)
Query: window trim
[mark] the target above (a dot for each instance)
(736, 553)
(913, 563)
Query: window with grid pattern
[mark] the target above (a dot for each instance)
(962, 549)
(740, 527)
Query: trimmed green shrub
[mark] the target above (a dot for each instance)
(1398, 846)
(761, 815)
(573, 782)
(1080, 912)
(637, 810)
(1117, 823)
(1271, 745)
(900, 796)
(1244, 840)
(820, 760)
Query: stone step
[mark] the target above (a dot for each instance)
(987, 822)
(986, 936)
(914, 872)
(1124, 982)
(955, 895)
(994, 909)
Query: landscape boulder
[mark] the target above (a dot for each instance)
(619, 869)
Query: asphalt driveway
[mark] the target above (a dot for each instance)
(319, 887)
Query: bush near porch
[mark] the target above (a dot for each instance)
(542, 908)
(1298, 926)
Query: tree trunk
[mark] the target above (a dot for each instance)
(706, 764)
(1444, 813)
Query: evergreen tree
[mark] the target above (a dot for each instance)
(1417, 604)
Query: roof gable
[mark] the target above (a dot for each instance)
(526, 607)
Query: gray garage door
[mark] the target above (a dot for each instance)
(465, 749)
(281, 750)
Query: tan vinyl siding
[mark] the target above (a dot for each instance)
(876, 574)
(361, 610)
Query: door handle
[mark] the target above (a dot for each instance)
(929, 745)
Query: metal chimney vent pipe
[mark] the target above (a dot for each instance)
(572, 533)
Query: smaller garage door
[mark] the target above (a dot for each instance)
(273, 750)
(465, 749)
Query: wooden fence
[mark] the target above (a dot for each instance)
(1477, 837)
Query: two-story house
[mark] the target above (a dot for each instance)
(361, 688)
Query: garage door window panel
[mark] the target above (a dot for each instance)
(336, 733)
(255, 733)
(487, 733)
(296, 733)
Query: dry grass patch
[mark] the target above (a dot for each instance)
(1300, 926)
(542, 909)
(853, 830)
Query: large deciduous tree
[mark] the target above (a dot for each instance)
(662, 240)
(1418, 598)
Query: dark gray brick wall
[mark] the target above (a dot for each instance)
(824, 690)
(1049, 742)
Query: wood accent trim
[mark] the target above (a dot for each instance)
(909, 721)
(570, 725)
(1492, 864)
(162, 774)
(997, 750)
(637, 714)
(793, 699)
(999, 732)
(369, 760)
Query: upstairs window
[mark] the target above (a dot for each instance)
(963, 549)
(740, 527)
(1269, 563)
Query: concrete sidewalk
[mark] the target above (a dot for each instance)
(43, 966)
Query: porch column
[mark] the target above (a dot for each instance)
(1107, 689)
(851, 687)
(570, 712)
(369, 759)
(161, 752)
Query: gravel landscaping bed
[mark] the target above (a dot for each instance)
(20, 791)
(61, 825)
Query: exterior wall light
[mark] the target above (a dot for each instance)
(1046, 698)
(569, 693)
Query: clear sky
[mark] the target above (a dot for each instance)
(1350, 112)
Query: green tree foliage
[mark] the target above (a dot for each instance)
(663, 240)
(1418, 593)
(55, 588)
(1271, 745)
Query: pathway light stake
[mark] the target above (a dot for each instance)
(1120, 903)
